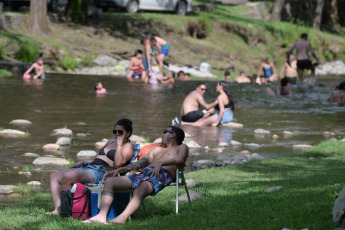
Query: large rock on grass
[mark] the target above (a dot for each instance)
(50, 161)
(104, 60)
(6, 189)
(192, 194)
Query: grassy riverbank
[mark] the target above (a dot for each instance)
(235, 198)
(231, 40)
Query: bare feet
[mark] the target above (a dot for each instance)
(95, 219)
(118, 220)
(55, 212)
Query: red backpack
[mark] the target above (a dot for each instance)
(77, 204)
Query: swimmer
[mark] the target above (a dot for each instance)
(183, 76)
(227, 75)
(169, 78)
(99, 88)
(242, 78)
(269, 72)
(38, 68)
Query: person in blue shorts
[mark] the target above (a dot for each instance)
(116, 152)
(159, 173)
(163, 49)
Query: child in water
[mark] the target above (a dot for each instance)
(99, 88)
(38, 67)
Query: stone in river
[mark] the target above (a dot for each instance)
(20, 122)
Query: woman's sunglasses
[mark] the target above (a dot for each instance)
(115, 131)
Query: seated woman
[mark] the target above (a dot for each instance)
(223, 110)
(269, 72)
(338, 95)
(118, 151)
(136, 67)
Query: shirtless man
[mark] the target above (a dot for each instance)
(242, 78)
(303, 48)
(190, 109)
(159, 173)
(38, 67)
(291, 70)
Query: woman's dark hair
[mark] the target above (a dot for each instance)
(342, 85)
(153, 40)
(179, 134)
(226, 89)
(126, 124)
(138, 52)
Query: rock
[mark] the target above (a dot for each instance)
(223, 144)
(12, 133)
(81, 123)
(191, 183)
(94, 12)
(255, 156)
(6, 189)
(62, 132)
(35, 184)
(63, 141)
(194, 154)
(187, 135)
(343, 139)
(233, 125)
(224, 158)
(332, 139)
(50, 161)
(25, 173)
(100, 144)
(334, 68)
(20, 122)
(158, 140)
(288, 133)
(245, 152)
(81, 135)
(135, 139)
(124, 63)
(206, 162)
(218, 150)
(86, 153)
(13, 21)
(274, 188)
(104, 60)
(252, 145)
(206, 147)
(50, 147)
(31, 155)
(302, 146)
(327, 134)
(192, 71)
(235, 143)
(275, 136)
(192, 194)
(192, 145)
(262, 132)
(15, 167)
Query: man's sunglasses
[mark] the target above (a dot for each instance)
(203, 89)
(115, 131)
(168, 131)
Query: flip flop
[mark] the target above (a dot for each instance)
(89, 221)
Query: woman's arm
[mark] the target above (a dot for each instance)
(221, 110)
(123, 154)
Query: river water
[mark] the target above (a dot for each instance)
(68, 101)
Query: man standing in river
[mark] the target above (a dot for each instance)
(303, 48)
(190, 109)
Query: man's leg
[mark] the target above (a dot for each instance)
(111, 186)
(300, 77)
(139, 195)
(160, 58)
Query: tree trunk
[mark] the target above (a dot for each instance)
(277, 8)
(38, 17)
(330, 13)
(318, 14)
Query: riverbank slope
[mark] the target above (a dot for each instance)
(224, 38)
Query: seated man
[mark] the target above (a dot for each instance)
(159, 173)
(190, 109)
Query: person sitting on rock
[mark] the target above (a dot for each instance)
(136, 67)
(38, 68)
(159, 172)
(338, 95)
(118, 151)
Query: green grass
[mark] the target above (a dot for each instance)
(28, 168)
(23, 189)
(235, 198)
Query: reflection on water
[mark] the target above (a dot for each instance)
(69, 101)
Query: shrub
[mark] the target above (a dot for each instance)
(76, 12)
(23, 189)
(27, 52)
(5, 73)
(87, 60)
(68, 62)
(2, 51)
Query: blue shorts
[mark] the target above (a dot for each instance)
(165, 49)
(158, 183)
(136, 75)
(145, 64)
(97, 172)
(227, 116)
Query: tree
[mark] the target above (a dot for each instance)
(318, 14)
(330, 13)
(277, 8)
(38, 17)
